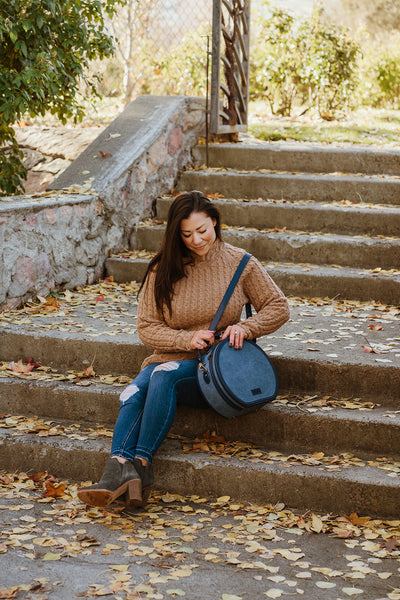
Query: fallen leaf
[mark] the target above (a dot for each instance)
(352, 591)
(274, 593)
(53, 491)
(119, 568)
(289, 555)
(317, 524)
(391, 544)
(214, 196)
(51, 556)
(19, 367)
(223, 499)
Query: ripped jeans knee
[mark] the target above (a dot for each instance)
(128, 392)
(168, 366)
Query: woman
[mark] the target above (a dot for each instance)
(181, 291)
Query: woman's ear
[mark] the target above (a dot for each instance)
(214, 221)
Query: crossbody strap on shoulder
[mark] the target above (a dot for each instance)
(229, 293)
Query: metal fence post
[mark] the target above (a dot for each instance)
(230, 66)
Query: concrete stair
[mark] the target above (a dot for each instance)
(330, 442)
(319, 231)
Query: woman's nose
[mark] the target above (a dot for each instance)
(197, 239)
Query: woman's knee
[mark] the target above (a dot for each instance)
(172, 365)
(128, 393)
(138, 388)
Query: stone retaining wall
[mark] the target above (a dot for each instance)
(63, 238)
(50, 242)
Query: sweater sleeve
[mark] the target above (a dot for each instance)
(151, 326)
(271, 305)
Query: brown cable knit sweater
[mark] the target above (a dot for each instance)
(197, 297)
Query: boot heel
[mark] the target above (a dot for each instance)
(146, 494)
(134, 493)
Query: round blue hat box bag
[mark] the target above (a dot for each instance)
(234, 382)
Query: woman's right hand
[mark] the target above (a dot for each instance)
(202, 339)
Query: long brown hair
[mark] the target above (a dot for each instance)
(173, 255)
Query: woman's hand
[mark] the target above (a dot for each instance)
(202, 339)
(236, 336)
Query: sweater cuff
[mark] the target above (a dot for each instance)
(247, 330)
(183, 340)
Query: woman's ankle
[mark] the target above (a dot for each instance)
(120, 459)
(144, 461)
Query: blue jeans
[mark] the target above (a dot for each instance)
(148, 406)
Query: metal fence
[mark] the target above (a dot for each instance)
(162, 49)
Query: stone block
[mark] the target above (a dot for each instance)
(157, 155)
(192, 119)
(175, 140)
(24, 276)
(42, 265)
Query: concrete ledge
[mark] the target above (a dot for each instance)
(131, 136)
(62, 239)
(344, 219)
(367, 433)
(351, 372)
(366, 490)
(299, 186)
(301, 156)
(296, 280)
(299, 247)
(137, 158)
(37, 202)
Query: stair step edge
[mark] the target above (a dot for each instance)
(365, 490)
(278, 425)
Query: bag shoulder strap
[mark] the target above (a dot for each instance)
(229, 292)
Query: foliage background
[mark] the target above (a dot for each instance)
(46, 48)
(342, 57)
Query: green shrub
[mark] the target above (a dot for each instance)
(310, 63)
(275, 63)
(46, 48)
(182, 68)
(329, 65)
(387, 72)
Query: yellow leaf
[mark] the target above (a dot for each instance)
(123, 577)
(181, 572)
(289, 555)
(223, 499)
(274, 593)
(325, 585)
(317, 455)
(317, 524)
(119, 568)
(51, 556)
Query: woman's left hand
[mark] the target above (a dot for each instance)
(236, 336)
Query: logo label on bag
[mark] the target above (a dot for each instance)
(256, 391)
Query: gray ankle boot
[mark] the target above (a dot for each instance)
(116, 480)
(147, 479)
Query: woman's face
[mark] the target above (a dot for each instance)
(198, 233)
